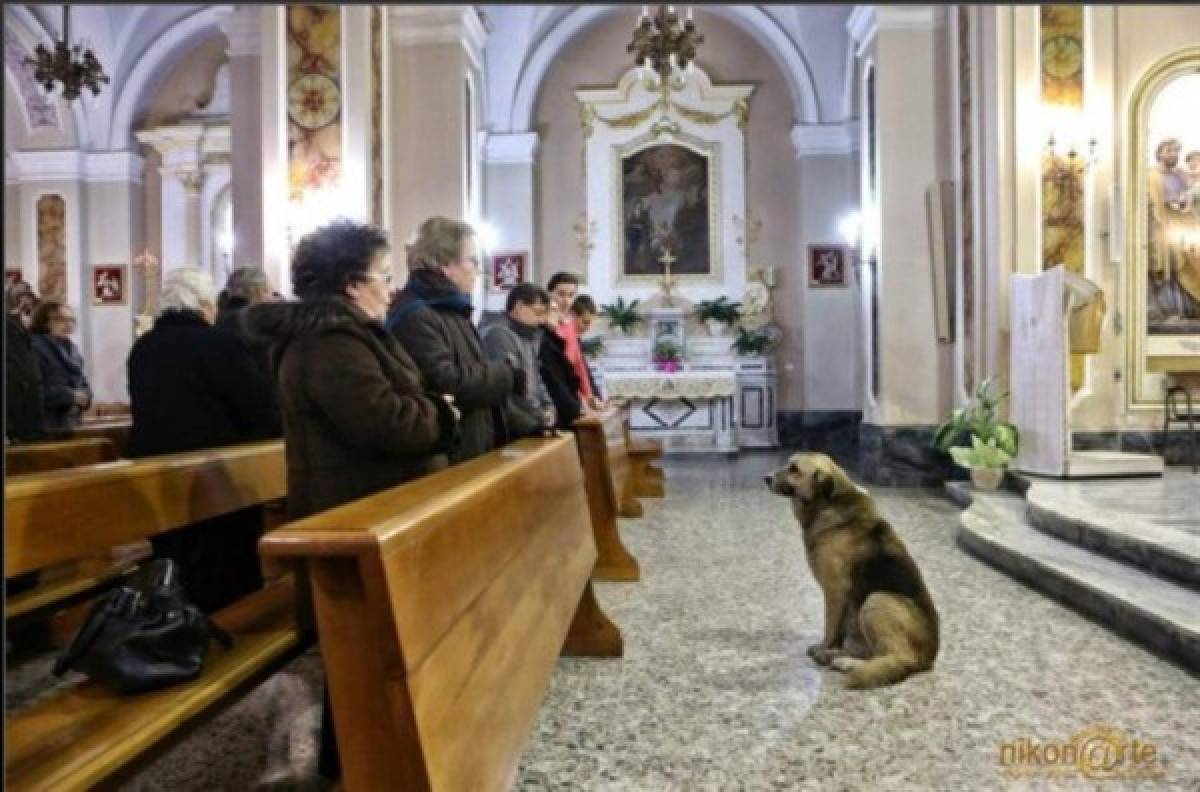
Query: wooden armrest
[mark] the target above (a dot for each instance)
(59, 584)
(83, 735)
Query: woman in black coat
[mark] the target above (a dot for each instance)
(431, 318)
(65, 390)
(192, 387)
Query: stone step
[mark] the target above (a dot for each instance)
(1156, 528)
(1157, 612)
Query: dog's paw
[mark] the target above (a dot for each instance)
(823, 656)
(846, 663)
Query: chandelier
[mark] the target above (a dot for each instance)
(66, 65)
(665, 44)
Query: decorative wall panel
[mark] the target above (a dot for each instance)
(52, 246)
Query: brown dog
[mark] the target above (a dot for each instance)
(880, 623)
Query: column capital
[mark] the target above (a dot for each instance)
(242, 27)
(516, 148)
(865, 21)
(450, 24)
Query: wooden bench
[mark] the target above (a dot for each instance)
(40, 457)
(647, 479)
(441, 607)
(606, 471)
(86, 735)
(115, 429)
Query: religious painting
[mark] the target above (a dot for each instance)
(52, 246)
(1171, 158)
(508, 269)
(664, 205)
(108, 285)
(826, 265)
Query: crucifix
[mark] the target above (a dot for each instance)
(666, 259)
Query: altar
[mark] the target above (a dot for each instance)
(716, 402)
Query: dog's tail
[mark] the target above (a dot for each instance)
(883, 670)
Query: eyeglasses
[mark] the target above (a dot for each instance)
(386, 277)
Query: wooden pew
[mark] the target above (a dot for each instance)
(84, 736)
(115, 429)
(647, 480)
(40, 457)
(442, 605)
(606, 472)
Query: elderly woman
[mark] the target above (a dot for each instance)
(193, 386)
(357, 415)
(431, 318)
(65, 390)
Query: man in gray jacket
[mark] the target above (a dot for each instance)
(514, 338)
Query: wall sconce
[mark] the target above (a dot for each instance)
(1073, 156)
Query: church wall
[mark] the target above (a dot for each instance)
(18, 136)
(12, 227)
(1120, 44)
(774, 187)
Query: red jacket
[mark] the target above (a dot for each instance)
(569, 333)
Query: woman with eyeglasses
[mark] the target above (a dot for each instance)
(65, 390)
(358, 417)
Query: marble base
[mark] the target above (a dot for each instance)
(1156, 612)
(834, 432)
(903, 456)
(1144, 441)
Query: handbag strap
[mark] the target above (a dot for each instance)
(222, 637)
(111, 604)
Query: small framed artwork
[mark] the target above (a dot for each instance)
(12, 276)
(108, 284)
(508, 269)
(827, 265)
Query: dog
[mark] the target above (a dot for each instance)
(880, 623)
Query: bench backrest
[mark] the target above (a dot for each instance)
(442, 605)
(602, 443)
(115, 429)
(40, 457)
(67, 514)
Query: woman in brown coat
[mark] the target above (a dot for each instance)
(357, 417)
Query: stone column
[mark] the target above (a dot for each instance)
(508, 198)
(433, 50)
(243, 28)
(906, 46)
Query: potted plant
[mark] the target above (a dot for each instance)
(754, 342)
(718, 315)
(993, 443)
(621, 315)
(592, 347)
(667, 356)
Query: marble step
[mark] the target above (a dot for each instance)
(1156, 529)
(1158, 612)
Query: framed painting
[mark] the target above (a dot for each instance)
(508, 269)
(826, 265)
(108, 285)
(12, 276)
(665, 206)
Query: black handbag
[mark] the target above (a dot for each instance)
(143, 635)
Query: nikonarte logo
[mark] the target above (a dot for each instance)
(1097, 752)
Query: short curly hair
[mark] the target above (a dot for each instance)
(331, 258)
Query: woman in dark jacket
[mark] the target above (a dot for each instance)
(65, 390)
(193, 387)
(431, 318)
(558, 374)
(357, 415)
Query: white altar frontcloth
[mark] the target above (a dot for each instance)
(670, 385)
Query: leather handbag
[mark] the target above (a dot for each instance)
(143, 635)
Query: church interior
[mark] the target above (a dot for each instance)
(874, 463)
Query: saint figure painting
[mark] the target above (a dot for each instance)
(665, 209)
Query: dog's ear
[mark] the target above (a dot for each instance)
(823, 484)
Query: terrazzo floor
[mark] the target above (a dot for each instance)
(715, 691)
